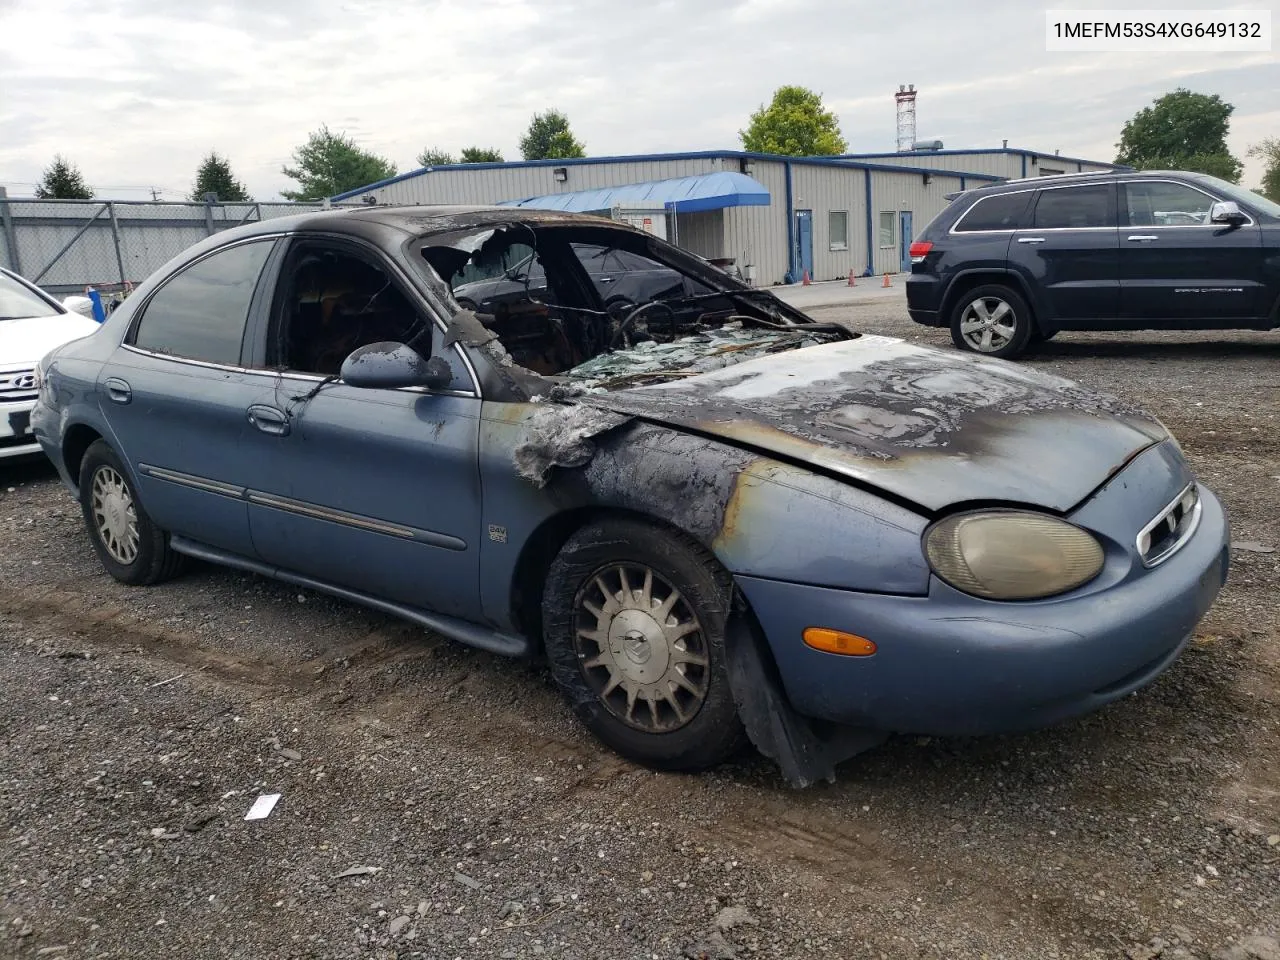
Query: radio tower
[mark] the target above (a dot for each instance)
(906, 100)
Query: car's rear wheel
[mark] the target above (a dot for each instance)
(993, 320)
(131, 547)
(634, 624)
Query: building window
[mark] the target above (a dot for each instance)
(888, 228)
(838, 229)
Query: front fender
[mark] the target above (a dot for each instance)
(760, 517)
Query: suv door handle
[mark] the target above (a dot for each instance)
(1031, 239)
(269, 420)
(1143, 238)
(118, 391)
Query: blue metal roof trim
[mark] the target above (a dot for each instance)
(706, 191)
(693, 155)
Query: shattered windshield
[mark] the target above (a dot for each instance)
(599, 307)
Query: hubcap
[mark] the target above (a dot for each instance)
(114, 515)
(988, 324)
(641, 648)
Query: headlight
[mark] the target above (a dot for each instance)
(1012, 554)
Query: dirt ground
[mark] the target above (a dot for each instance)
(138, 725)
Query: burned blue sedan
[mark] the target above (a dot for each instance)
(718, 519)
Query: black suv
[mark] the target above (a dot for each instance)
(1009, 265)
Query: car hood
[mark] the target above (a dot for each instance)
(931, 427)
(23, 342)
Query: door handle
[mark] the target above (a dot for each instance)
(269, 420)
(1143, 238)
(1031, 239)
(118, 391)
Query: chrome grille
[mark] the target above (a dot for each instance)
(1170, 528)
(16, 385)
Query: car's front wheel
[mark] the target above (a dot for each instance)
(131, 547)
(634, 624)
(993, 320)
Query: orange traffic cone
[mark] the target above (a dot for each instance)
(851, 283)
(886, 281)
(804, 280)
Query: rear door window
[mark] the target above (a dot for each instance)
(1076, 207)
(1002, 211)
(200, 314)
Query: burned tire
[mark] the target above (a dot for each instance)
(634, 623)
(993, 320)
(131, 547)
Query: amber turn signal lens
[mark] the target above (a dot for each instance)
(835, 641)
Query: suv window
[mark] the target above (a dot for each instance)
(999, 212)
(200, 314)
(1087, 206)
(1159, 203)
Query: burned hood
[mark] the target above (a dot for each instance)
(931, 427)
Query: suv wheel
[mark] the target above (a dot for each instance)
(993, 320)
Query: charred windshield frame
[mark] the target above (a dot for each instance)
(568, 333)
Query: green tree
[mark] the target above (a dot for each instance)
(481, 155)
(63, 181)
(214, 176)
(794, 124)
(1268, 151)
(549, 138)
(1181, 131)
(331, 163)
(435, 157)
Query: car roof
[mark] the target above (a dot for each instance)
(1068, 179)
(416, 220)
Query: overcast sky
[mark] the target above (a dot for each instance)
(136, 91)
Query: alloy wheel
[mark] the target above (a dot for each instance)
(988, 324)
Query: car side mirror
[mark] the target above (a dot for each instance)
(1226, 211)
(388, 365)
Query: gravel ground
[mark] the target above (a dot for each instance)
(440, 802)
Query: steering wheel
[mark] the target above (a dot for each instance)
(631, 318)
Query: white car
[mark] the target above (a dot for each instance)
(31, 324)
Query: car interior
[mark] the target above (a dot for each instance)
(567, 321)
(332, 301)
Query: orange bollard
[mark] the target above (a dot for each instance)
(851, 283)
(804, 280)
(886, 281)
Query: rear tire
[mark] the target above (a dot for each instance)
(131, 547)
(634, 624)
(992, 320)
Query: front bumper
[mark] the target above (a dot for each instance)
(16, 438)
(951, 664)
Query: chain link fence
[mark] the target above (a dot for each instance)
(65, 246)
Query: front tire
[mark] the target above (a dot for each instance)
(131, 547)
(993, 320)
(634, 624)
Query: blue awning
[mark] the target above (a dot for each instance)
(708, 191)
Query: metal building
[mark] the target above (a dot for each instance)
(776, 219)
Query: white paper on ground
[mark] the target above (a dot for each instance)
(262, 807)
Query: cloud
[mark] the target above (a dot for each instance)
(136, 91)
